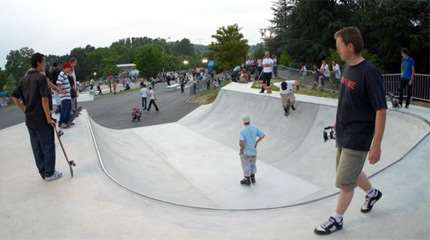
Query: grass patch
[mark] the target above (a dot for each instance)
(207, 96)
(257, 85)
(117, 93)
(421, 103)
(304, 90)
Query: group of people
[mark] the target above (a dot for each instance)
(359, 126)
(67, 92)
(262, 69)
(324, 73)
(147, 93)
(256, 66)
(33, 96)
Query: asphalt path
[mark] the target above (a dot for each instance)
(114, 111)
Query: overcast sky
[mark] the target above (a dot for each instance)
(57, 26)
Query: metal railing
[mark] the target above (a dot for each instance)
(420, 89)
(308, 78)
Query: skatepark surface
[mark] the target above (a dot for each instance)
(181, 180)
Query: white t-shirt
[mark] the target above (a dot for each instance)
(259, 62)
(151, 94)
(144, 92)
(268, 61)
(290, 87)
(336, 70)
(325, 70)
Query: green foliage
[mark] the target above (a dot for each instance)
(229, 49)
(3, 78)
(183, 47)
(18, 62)
(334, 56)
(149, 60)
(285, 59)
(373, 58)
(258, 51)
(10, 84)
(305, 29)
(103, 60)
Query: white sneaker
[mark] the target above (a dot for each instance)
(55, 176)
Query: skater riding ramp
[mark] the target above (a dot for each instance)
(194, 162)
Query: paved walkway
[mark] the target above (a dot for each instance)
(92, 206)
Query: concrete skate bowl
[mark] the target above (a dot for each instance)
(194, 162)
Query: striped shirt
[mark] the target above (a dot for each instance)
(63, 81)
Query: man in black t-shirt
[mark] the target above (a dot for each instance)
(360, 123)
(31, 97)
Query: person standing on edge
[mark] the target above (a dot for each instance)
(250, 136)
(259, 69)
(51, 75)
(144, 95)
(182, 82)
(324, 74)
(63, 83)
(360, 123)
(74, 93)
(337, 73)
(407, 69)
(152, 99)
(267, 71)
(275, 66)
(31, 97)
(114, 84)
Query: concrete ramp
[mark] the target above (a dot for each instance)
(194, 162)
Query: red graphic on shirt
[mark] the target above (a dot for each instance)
(348, 83)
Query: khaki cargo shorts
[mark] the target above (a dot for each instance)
(349, 164)
(288, 98)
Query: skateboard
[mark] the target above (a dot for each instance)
(71, 163)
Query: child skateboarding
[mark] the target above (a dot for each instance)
(287, 95)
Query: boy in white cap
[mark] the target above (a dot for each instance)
(250, 136)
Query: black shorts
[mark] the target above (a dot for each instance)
(267, 77)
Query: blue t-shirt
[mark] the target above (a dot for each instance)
(407, 64)
(249, 135)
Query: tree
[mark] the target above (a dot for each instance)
(183, 47)
(305, 29)
(149, 60)
(18, 62)
(258, 51)
(10, 84)
(285, 59)
(230, 47)
(3, 78)
(104, 60)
